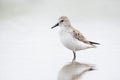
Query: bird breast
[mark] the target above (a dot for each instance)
(70, 42)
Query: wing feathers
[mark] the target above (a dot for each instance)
(80, 37)
(94, 43)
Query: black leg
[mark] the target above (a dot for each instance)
(74, 58)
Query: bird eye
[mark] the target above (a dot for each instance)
(61, 20)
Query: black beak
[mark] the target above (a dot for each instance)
(55, 25)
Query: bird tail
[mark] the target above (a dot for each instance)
(94, 43)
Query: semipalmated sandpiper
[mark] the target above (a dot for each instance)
(71, 37)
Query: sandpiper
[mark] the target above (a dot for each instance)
(71, 37)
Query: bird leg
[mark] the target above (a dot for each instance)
(74, 58)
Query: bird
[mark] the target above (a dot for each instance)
(72, 38)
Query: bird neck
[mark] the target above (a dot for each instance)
(65, 28)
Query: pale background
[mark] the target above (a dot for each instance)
(30, 50)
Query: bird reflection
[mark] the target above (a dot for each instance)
(74, 71)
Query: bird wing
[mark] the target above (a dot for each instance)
(77, 35)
